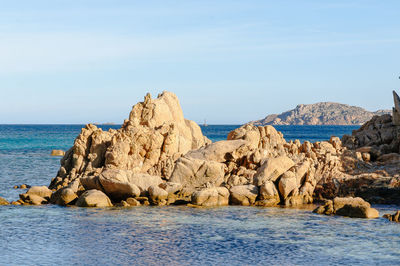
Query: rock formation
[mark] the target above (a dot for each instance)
(157, 157)
(396, 109)
(323, 113)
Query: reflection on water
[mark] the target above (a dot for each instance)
(182, 235)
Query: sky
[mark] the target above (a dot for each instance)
(229, 62)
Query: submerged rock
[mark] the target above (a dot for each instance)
(57, 153)
(395, 217)
(3, 201)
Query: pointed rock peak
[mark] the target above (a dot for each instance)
(147, 98)
(396, 99)
(396, 109)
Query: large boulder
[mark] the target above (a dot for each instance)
(41, 191)
(272, 168)
(288, 184)
(121, 184)
(268, 195)
(243, 195)
(349, 206)
(67, 196)
(195, 173)
(93, 198)
(157, 195)
(208, 197)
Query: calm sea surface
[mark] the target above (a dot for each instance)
(49, 235)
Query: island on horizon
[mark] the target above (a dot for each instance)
(322, 113)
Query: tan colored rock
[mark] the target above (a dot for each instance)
(393, 217)
(349, 206)
(243, 195)
(33, 199)
(149, 142)
(133, 202)
(195, 173)
(288, 184)
(42, 191)
(117, 184)
(272, 169)
(171, 187)
(219, 151)
(208, 197)
(269, 195)
(3, 201)
(57, 153)
(67, 196)
(157, 195)
(93, 198)
(235, 180)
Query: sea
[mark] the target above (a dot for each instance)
(174, 235)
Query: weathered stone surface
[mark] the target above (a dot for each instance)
(3, 201)
(219, 151)
(243, 195)
(33, 199)
(171, 187)
(272, 169)
(93, 198)
(149, 142)
(208, 197)
(351, 207)
(67, 196)
(395, 217)
(288, 184)
(133, 202)
(195, 173)
(57, 153)
(157, 195)
(42, 191)
(269, 195)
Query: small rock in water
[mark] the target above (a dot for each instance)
(57, 153)
(393, 217)
(15, 187)
(349, 206)
(3, 201)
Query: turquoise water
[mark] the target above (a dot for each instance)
(173, 235)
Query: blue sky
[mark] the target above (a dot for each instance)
(228, 61)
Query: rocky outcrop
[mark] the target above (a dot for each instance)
(149, 142)
(351, 207)
(157, 157)
(323, 113)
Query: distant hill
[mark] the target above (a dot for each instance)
(323, 113)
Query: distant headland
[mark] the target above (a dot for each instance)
(322, 113)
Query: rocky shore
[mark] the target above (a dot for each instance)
(160, 158)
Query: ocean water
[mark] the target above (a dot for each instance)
(173, 235)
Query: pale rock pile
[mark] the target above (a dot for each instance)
(157, 157)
